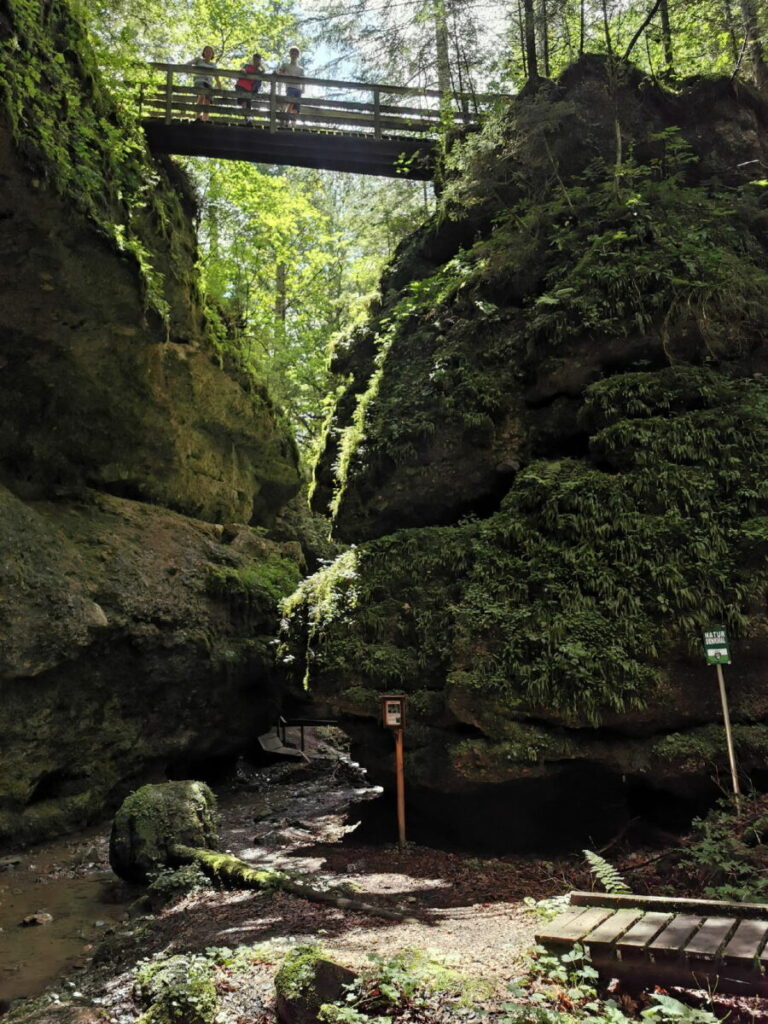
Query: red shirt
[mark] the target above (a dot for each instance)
(248, 83)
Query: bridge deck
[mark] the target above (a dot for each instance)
(411, 158)
(344, 126)
(646, 941)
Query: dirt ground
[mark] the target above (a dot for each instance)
(466, 911)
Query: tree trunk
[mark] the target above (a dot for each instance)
(441, 48)
(731, 29)
(544, 35)
(530, 40)
(232, 871)
(754, 44)
(666, 35)
(281, 296)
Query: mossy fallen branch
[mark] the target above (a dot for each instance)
(233, 872)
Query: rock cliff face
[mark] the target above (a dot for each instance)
(134, 640)
(561, 395)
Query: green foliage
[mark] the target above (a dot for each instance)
(652, 249)
(177, 990)
(704, 749)
(290, 258)
(605, 873)
(548, 908)
(170, 884)
(260, 585)
(607, 254)
(727, 853)
(77, 141)
(570, 595)
(587, 575)
(380, 616)
(563, 990)
(392, 986)
(297, 972)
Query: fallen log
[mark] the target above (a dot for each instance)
(236, 874)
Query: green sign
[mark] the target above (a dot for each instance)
(716, 646)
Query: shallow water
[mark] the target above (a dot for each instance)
(70, 881)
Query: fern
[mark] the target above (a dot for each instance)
(606, 873)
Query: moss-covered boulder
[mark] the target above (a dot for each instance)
(555, 644)
(154, 819)
(306, 980)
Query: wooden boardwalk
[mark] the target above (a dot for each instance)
(343, 126)
(651, 940)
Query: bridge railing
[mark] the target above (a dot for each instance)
(380, 111)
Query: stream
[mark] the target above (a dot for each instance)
(66, 884)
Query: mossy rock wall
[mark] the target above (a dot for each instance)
(137, 642)
(562, 393)
(110, 378)
(597, 226)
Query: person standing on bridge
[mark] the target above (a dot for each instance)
(204, 80)
(295, 70)
(246, 88)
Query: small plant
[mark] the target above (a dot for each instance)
(391, 987)
(606, 874)
(563, 990)
(549, 908)
(177, 990)
(170, 884)
(727, 855)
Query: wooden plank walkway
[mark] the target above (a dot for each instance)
(655, 940)
(393, 131)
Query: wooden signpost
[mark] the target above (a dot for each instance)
(718, 654)
(393, 717)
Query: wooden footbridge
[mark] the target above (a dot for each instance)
(654, 940)
(377, 129)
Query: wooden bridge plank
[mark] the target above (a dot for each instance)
(571, 927)
(674, 937)
(644, 931)
(746, 942)
(672, 904)
(709, 939)
(612, 928)
(307, 116)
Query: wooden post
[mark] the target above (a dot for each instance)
(377, 113)
(273, 105)
(728, 733)
(393, 717)
(168, 95)
(400, 772)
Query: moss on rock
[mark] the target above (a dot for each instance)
(582, 261)
(154, 819)
(178, 989)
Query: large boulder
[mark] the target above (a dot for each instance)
(154, 819)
